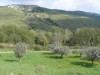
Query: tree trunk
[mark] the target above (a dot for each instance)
(61, 56)
(92, 62)
(80, 55)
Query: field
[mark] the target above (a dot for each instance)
(45, 63)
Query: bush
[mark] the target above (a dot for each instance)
(2, 45)
(38, 47)
(42, 40)
(6, 45)
(20, 50)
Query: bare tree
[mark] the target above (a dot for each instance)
(20, 50)
(57, 47)
(93, 53)
(57, 38)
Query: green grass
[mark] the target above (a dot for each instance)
(37, 63)
(6, 49)
(10, 16)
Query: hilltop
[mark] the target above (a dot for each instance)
(37, 17)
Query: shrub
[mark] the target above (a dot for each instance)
(42, 40)
(38, 47)
(20, 50)
(2, 45)
(6, 45)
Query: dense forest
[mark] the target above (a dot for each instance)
(80, 37)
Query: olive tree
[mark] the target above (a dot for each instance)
(62, 50)
(81, 51)
(93, 53)
(20, 50)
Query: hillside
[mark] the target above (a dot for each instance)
(10, 16)
(37, 17)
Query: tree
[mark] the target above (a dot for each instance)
(57, 38)
(72, 41)
(67, 34)
(14, 34)
(49, 36)
(93, 53)
(86, 37)
(57, 42)
(62, 50)
(42, 40)
(83, 50)
(20, 50)
(80, 51)
(2, 37)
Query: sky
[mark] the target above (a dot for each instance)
(68, 5)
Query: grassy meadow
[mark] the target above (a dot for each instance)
(46, 63)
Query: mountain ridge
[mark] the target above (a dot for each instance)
(62, 11)
(76, 12)
(37, 17)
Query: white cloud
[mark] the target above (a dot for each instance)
(84, 5)
(44, 3)
(63, 4)
(40, 2)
